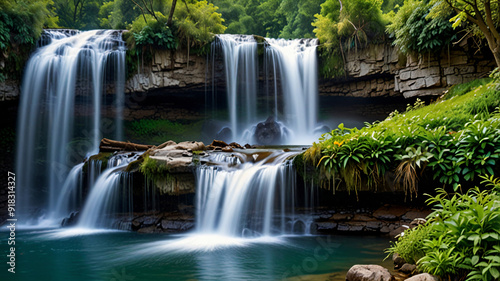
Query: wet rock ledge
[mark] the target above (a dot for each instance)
(386, 220)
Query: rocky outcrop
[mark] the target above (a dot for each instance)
(172, 222)
(388, 220)
(379, 70)
(170, 69)
(9, 90)
(368, 273)
(176, 159)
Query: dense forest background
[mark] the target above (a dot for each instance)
(415, 26)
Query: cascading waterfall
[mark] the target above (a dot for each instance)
(241, 68)
(296, 63)
(112, 193)
(292, 67)
(70, 69)
(247, 195)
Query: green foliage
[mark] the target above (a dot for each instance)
(153, 170)
(119, 14)
(270, 18)
(102, 157)
(78, 14)
(462, 89)
(198, 22)
(461, 240)
(469, 224)
(152, 32)
(21, 24)
(157, 131)
(360, 21)
(415, 31)
(409, 244)
(452, 141)
(480, 19)
(299, 15)
(345, 28)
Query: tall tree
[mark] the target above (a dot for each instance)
(79, 14)
(483, 14)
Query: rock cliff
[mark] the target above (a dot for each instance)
(380, 70)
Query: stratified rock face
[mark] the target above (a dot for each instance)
(170, 70)
(368, 273)
(379, 70)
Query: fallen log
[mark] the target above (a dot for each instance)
(108, 145)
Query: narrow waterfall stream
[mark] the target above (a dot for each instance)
(241, 70)
(296, 63)
(69, 74)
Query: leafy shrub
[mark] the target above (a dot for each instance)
(343, 26)
(21, 24)
(149, 31)
(466, 233)
(461, 239)
(414, 30)
(409, 244)
(452, 141)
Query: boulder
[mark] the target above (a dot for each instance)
(236, 145)
(423, 277)
(268, 132)
(177, 157)
(227, 149)
(408, 268)
(398, 260)
(219, 143)
(368, 273)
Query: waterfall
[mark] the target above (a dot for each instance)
(296, 62)
(111, 194)
(65, 79)
(241, 69)
(292, 67)
(247, 195)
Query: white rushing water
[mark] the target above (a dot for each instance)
(296, 62)
(111, 193)
(241, 69)
(70, 69)
(250, 197)
(291, 65)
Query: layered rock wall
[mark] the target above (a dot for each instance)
(380, 70)
(168, 69)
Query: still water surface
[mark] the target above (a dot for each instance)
(120, 256)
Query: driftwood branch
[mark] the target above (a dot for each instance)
(108, 145)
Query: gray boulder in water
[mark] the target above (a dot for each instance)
(268, 132)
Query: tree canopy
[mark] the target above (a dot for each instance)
(480, 17)
(421, 26)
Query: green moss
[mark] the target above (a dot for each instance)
(153, 169)
(102, 156)
(156, 131)
(159, 173)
